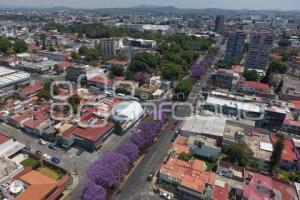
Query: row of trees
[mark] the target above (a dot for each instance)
(12, 45)
(106, 174)
(177, 53)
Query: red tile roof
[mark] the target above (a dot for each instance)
(238, 69)
(38, 85)
(3, 138)
(32, 119)
(257, 181)
(288, 122)
(101, 79)
(91, 133)
(296, 104)
(221, 193)
(288, 152)
(64, 65)
(259, 86)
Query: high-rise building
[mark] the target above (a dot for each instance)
(259, 50)
(109, 46)
(219, 23)
(235, 46)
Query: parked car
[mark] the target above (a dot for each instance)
(52, 146)
(55, 160)
(38, 153)
(46, 156)
(165, 195)
(42, 142)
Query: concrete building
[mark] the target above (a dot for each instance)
(262, 148)
(290, 90)
(259, 186)
(219, 23)
(235, 46)
(212, 127)
(204, 147)
(223, 78)
(109, 46)
(190, 179)
(260, 48)
(9, 78)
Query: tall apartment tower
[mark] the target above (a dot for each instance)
(219, 23)
(109, 46)
(261, 44)
(235, 46)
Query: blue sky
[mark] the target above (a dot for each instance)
(229, 4)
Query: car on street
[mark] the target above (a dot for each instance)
(38, 153)
(42, 142)
(165, 195)
(46, 156)
(52, 146)
(55, 160)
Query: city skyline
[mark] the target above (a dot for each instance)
(226, 4)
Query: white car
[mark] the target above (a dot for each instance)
(42, 142)
(165, 195)
(46, 156)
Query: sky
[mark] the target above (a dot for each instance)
(227, 4)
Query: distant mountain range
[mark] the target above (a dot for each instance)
(159, 10)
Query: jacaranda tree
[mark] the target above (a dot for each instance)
(92, 191)
(129, 149)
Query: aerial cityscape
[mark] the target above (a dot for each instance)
(150, 100)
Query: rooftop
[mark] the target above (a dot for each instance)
(259, 186)
(260, 144)
(3, 138)
(92, 133)
(288, 152)
(256, 85)
(191, 174)
(36, 86)
(250, 107)
(204, 125)
(39, 186)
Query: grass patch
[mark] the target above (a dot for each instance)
(51, 173)
(29, 162)
(292, 176)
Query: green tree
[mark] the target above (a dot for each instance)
(276, 154)
(239, 153)
(183, 88)
(4, 45)
(116, 71)
(279, 87)
(278, 67)
(185, 156)
(284, 43)
(172, 71)
(251, 75)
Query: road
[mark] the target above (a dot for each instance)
(137, 187)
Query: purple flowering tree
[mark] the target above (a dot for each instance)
(129, 149)
(92, 191)
(109, 170)
(140, 77)
(197, 71)
(138, 139)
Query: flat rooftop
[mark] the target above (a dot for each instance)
(204, 125)
(249, 107)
